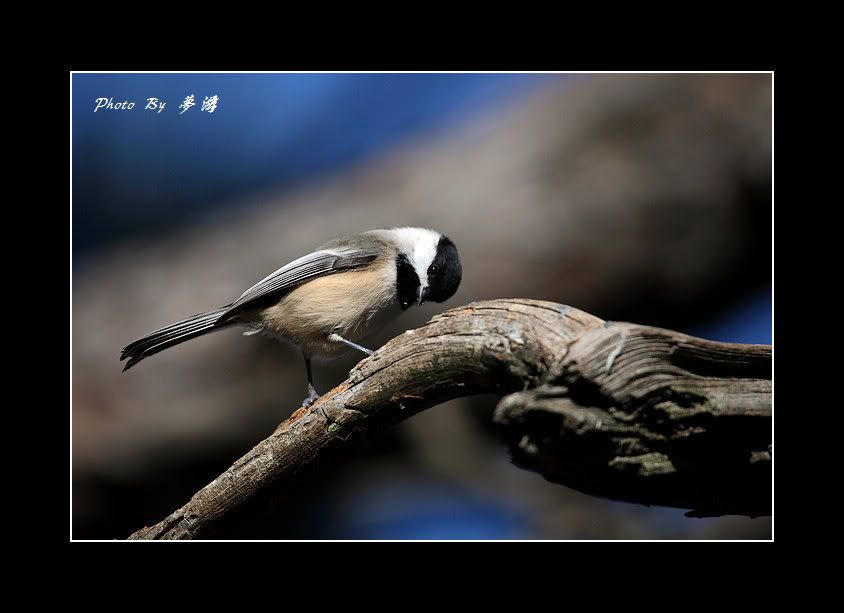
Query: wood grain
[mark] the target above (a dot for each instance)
(616, 410)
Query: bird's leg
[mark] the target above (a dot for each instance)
(339, 339)
(312, 393)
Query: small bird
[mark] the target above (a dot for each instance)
(327, 301)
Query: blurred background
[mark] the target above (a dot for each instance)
(642, 198)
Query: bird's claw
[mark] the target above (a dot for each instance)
(311, 397)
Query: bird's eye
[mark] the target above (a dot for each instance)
(433, 269)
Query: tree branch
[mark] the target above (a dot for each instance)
(616, 410)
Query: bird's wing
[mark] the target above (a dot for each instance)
(317, 264)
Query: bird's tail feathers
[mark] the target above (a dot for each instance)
(174, 334)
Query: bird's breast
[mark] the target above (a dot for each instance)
(352, 303)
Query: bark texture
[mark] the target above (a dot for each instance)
(613, 409)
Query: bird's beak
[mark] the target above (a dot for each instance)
(423, 296)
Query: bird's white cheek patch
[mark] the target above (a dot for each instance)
(422, 258)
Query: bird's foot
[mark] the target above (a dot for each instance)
(339, 339)
(311, 397)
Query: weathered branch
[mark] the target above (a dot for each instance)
(616, 410)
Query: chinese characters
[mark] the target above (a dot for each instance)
(186, 104)
(209, 104)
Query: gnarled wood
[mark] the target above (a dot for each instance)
(652, 416)
(617, 410)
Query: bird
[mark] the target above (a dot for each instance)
(327, 301)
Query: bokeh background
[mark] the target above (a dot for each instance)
(643, 198)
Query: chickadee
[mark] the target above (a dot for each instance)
(328, 300)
